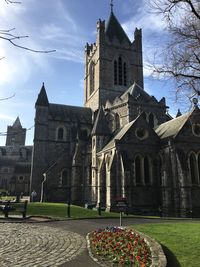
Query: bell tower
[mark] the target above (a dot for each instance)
(16, 135)
(112, 64)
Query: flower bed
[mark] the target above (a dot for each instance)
(120, 247)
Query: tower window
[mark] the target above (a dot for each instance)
(115, 72)
(120, 72)
(60, 133)
(92, 77)
(125, 79)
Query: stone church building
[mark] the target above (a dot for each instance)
(15, 161)
(122, 143)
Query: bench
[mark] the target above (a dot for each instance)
(9, 207)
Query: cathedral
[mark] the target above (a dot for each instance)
(122, 143)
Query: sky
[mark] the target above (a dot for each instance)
(66, 26)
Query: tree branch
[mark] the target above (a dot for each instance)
(6, 98)
(194, 11)
(12, 2)
(7, 36)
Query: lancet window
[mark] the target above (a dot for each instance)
(120, 72)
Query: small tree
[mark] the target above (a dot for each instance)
(181, 56)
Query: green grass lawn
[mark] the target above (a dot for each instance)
(180, 241)
(59, 210)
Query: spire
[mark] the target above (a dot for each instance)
(42, 99)
(114, 29)
(111, 6)
(17, 123)
(178, 113)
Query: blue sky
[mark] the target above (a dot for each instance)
(66, 26)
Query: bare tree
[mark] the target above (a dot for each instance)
(11, 37)
(6, 98)
(181, 55)
(8, 35)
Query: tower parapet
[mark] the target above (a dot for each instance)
(100, 31)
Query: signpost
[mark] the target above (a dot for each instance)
(121, 204)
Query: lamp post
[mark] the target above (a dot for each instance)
(42, 187)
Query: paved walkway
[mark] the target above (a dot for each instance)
(29, 245)
(52, 244)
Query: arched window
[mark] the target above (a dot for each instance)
(21, 178)
(120, 72)
(138, 169)
(115, 72)
(125, 74)
(143, 170)
(92, 77)
(117, 121)
(147, 170)
(60, 133)
(151, 120)
(193, 169)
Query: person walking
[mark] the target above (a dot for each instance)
(33, 196)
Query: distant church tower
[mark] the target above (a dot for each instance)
(112, 64)
(16, 135)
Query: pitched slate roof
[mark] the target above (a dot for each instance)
(101, 124)
(137, 92)
(118, 136)
(42, 99)
(70, 113)
(114, 29)
(172, 128)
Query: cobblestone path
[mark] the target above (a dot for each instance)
(27, 245)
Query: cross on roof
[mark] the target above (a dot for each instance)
(111, 5)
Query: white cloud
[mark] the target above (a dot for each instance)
(142, 18)
(7, 117)
(74, 55)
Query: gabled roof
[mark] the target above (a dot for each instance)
(118, 136)
(101, 124)
(42, 99)
(17, 123)
(172, 128)
(114, 29)
(70, 113)
(137, 92)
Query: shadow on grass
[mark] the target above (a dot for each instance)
(171, 258)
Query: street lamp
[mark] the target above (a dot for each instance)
(42, 187)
